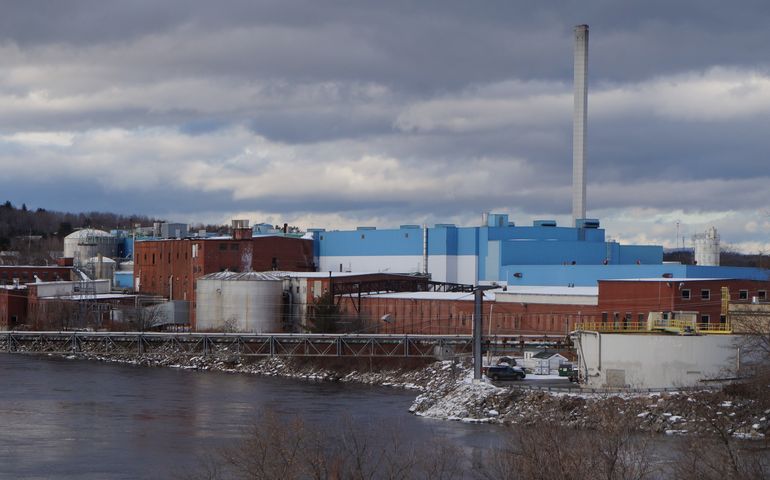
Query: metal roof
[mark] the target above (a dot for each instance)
(330, 274)
(489, 295)
(242, 276)
(551, 290)
(88, 232)
(664, 279)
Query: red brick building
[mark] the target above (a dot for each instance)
(169, 268)
(27, 273)
(519, 311)
(13, 306)
(633, 299)
(554, 311)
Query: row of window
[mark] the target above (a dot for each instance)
(705, 294)
(152, 257)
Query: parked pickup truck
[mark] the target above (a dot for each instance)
(504, 372)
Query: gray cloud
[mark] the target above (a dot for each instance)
(387, 112)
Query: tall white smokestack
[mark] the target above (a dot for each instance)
(579, 124)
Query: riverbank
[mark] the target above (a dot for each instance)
(446, 391)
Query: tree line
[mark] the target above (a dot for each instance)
(35, 233)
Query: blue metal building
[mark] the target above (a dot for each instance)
(541, 254)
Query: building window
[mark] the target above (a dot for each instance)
(604, 317)
(223, 246)
(233, 246)
(743, 294)
(406, 235)
(363, 236)
(705, 294)
(641, 318)
(722, 319)
(322, 237)
(705, 318)
(761, 295)
(686, 294)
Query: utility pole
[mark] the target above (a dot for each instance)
(478, 327)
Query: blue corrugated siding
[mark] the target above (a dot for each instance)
(524, 252)
(123, 279)
(650, 254)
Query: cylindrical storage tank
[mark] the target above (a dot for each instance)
(239, 302)
(101, 267)
(87, 243)
(707, 248)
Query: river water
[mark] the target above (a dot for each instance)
(76, 419)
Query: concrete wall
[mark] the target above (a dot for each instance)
(655, 361)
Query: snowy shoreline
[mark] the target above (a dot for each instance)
(446, 391)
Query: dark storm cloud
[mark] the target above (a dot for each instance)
(390, 111)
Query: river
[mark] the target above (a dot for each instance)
(77, 419)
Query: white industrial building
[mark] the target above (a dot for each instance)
(619, 360)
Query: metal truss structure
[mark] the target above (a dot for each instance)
(403, 283)
(194, 344)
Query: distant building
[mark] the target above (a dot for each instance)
(498, 250)
(13, 306)
(707, 248)
(490, 252)
(169, 268)
(88, 243)
(21, 274)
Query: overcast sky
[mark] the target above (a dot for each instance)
(337, 114)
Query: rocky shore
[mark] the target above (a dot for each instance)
(446, 391)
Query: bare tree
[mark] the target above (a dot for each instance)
(613, 451)
(140, 317)
(276, 448)
(717, 454)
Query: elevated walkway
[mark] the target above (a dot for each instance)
(657, 324)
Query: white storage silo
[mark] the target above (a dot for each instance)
(247, 302)
(101, 267)
(707, 248)
(88, 243)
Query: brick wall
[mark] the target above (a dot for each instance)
(169, 268)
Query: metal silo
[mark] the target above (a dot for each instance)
(247, 302)
(87, 243)
(707, 248)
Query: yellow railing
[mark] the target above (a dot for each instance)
(672, 326)
(614, 327)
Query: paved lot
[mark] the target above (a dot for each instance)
(534, 381)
